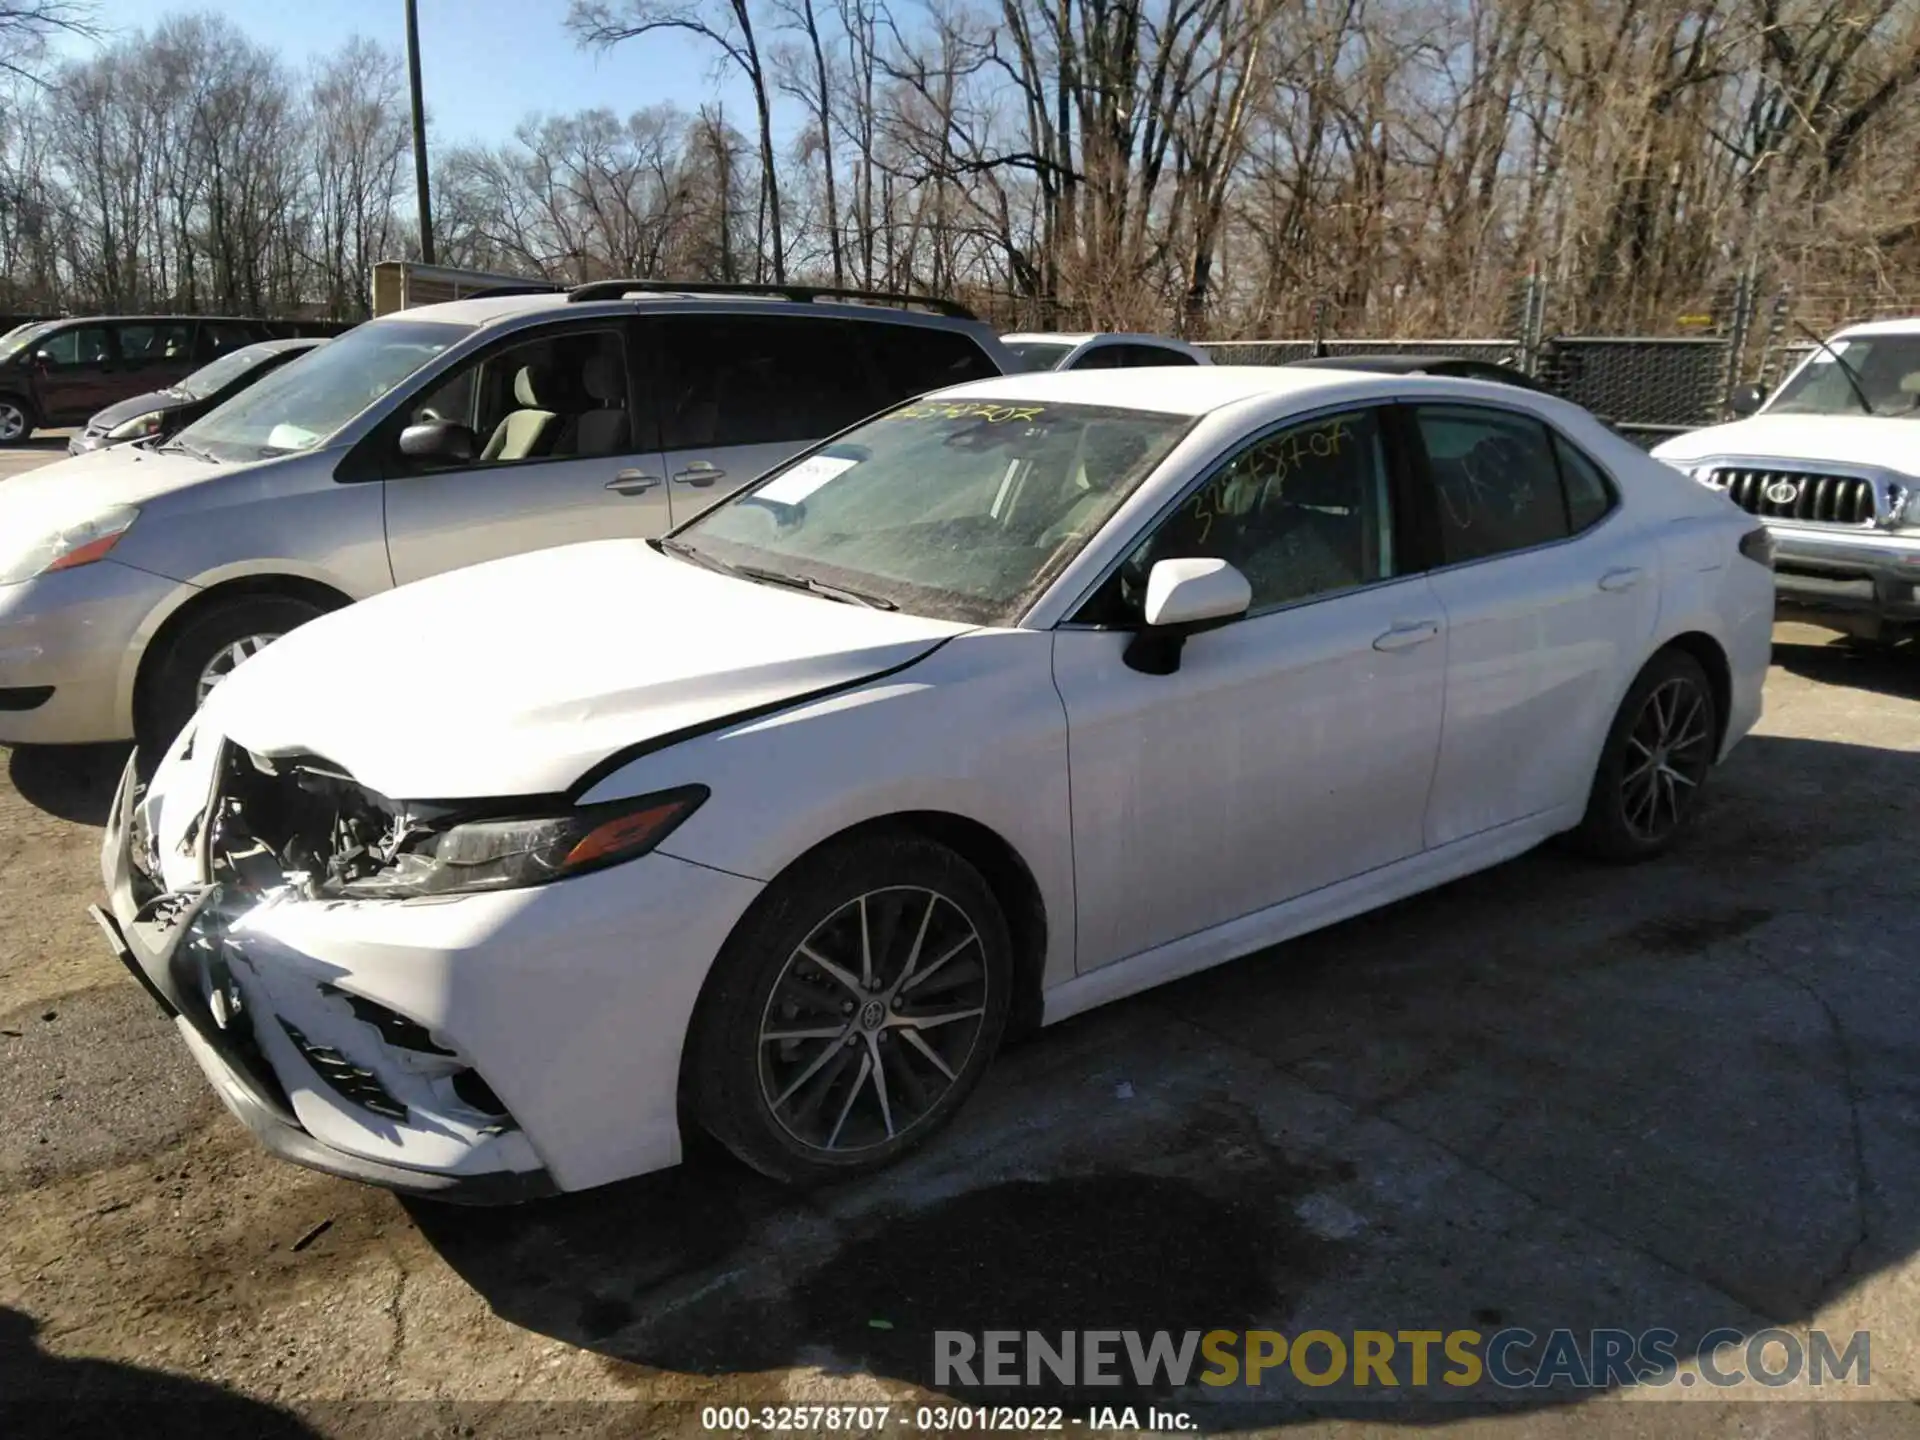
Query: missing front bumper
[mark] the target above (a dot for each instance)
(163, 943)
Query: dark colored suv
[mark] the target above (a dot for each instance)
(60, 372)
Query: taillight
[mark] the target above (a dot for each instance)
(1757, 546)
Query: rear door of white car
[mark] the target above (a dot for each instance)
(1550, 593)
(568, 451)
(1292, 748)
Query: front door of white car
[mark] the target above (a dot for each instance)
(1292, 748)
(1549, 601)
(566, 451)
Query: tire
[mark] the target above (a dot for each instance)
(174, 693)
(1669, 721)
(17, 420)
(805, 1109)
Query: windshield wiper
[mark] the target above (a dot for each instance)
(681, 548)
(671, 546)
(817, 587)
(1853, 379)
(191, 449)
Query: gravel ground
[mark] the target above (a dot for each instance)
(1682, 1095)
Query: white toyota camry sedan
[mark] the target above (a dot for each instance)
(1004, 704)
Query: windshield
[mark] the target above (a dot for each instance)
(212, 379)
(1039, 354)
(959, 509)
(18, 338)
(1885, 367)
(300, 406)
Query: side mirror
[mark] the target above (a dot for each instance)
(1747, 400)
(1184, 597)
(43, 358)
(444, 442)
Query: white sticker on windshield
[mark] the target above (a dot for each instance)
(803, 479)
(290, 437)
(1831, 353)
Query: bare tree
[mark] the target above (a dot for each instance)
(728, 24)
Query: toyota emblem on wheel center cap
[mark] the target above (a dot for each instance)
(1783, 492)
(872, 1014)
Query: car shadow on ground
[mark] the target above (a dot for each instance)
(46, 1395)
(1551, 1095)
(73, 782)
(1885, 670)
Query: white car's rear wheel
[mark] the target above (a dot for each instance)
(854, 1010)
(1656, 761)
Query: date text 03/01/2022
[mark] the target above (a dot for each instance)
(942, 1419)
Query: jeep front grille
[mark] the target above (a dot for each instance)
(1798, 495)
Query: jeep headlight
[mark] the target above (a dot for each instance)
(1907, 515)
(66, 548)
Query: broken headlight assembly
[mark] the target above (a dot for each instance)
(467, 857)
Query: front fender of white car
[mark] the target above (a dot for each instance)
(974, 730)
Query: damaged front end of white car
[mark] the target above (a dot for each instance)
(238, 871)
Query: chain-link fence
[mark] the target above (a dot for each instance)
(1649, 388)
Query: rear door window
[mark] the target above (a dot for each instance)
(1138, 357)
(1495, 479)
(909, 360)
(156, 342)
(733, 380)
(217, 337)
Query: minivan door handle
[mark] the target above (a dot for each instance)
(633, 482)
(699, 473)
(1408, 634)
(1623, 578)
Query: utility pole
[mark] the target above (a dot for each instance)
(419, 134)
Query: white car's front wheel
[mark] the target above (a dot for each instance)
(853, 1011)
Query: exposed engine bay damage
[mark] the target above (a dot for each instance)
(352, 1070)
(301, 822)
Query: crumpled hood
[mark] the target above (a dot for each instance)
(1885, 442)
(83, 486)
(517, 676)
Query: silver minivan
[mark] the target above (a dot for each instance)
(134, 579)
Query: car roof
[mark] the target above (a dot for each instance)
(145, 319)
(1061, 337)
(1048, 337)
(1171, 390)
(1907, 326)
(1393, 364)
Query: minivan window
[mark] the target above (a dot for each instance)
(81, 345)
(301, 406)
(760, 380)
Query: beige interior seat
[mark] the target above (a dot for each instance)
(528, 430)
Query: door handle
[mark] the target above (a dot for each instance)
(632, 482)
(1624, 578)
(699, 473)
(1408, 634)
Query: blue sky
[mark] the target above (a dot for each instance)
(485, 64)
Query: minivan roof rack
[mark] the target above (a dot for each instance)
(803, 294)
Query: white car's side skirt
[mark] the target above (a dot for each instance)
(1304, 913)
